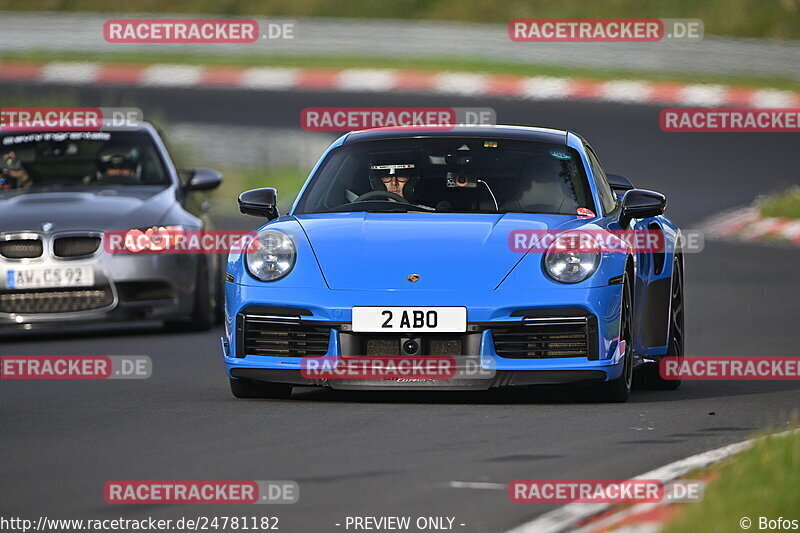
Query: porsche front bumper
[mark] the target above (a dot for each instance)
(323, 319)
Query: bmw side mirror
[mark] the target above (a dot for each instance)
(640, 203)
(203, 179)
(259, 203)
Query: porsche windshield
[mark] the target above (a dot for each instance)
(449, 174)
(35, 161)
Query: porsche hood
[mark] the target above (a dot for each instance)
(427, 251)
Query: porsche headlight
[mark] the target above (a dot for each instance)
(270, 255)
(572, 257)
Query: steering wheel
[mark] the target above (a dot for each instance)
(380, 194)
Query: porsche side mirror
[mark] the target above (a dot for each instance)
(640, 203)
(259, 203)
(203, 179)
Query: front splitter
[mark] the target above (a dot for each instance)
(502, 378)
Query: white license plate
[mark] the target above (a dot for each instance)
(409, 319)
(45, 277)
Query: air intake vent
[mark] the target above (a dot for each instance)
(381, 345)
(21, 248)
(60, 301)
(541, 339)
(75, 246)
(275, 336)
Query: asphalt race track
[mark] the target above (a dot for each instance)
(370, 454)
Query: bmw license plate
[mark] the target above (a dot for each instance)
(409, 319)
(46, 277)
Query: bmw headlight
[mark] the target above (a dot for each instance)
(270, 255)
(572, 257)
(148, 239)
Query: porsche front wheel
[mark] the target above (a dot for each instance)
(651, 378)
(619, 390)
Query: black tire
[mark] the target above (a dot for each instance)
(203, 315)
(244, 388)
(652, 379)
(619, 390)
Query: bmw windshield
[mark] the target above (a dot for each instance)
(71, 160)
(449, 174)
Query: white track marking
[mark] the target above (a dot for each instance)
(477, 485)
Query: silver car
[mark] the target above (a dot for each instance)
(61, 192)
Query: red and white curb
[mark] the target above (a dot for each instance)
(746, 224)
(387, 80)
(595, 517)
(639, 518)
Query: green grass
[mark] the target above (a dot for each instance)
(786, 204)
(420, 64)
(762, 481)
(287, 180)
(778, 19)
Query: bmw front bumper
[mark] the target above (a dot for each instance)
(125, 287)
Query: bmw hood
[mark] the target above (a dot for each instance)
(103, 209)
(447, 251)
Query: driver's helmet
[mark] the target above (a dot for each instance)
(380, 171)
(119, 161)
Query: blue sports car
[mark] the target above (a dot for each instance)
(418, 243)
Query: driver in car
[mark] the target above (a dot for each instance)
(12, 173)
(397, 179)
(117, 164)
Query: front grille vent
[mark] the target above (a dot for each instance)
(21, 248)
(75, 246)
(275, 336)
(539, 340)
(55, 301)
